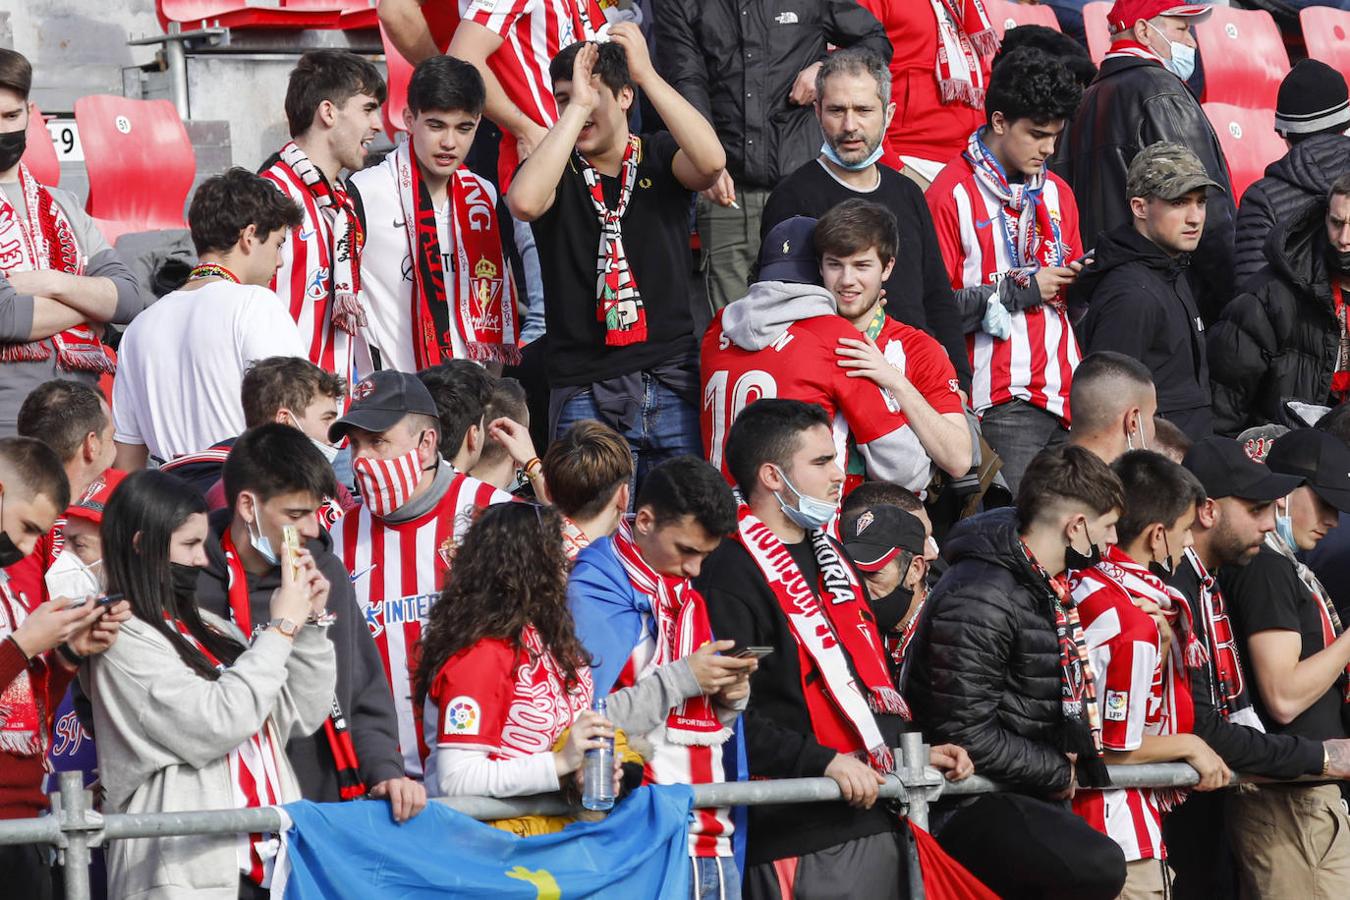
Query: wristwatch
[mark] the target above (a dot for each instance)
(285, 626)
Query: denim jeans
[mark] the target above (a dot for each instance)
(666, 427)
(715, 878)
(1018, 431)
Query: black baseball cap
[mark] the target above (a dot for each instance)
(876, 535)
(1319, 459)
(1225, 470)
(381, 400)
(788, 252)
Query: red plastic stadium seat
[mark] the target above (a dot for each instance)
(1097, 31)
(397, 78)
(139, 160)
(248, 13)
(1244, 57)
(1248, 139)
(1004, 15)
(1326, 32)
(40, 154)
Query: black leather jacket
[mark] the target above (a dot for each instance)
(1131, 104)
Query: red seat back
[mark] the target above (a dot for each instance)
(139, 160)
(250, 13)
(40, 153)
(1095, 28)
(1248, 139)
(399, 73)
(1326, 32)
(1004, 15)
(1244, 57)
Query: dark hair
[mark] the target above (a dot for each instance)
(62, 413)
(856, 225)
(1031, 84)
(507, 400)
(585, 466)
(768, 431)
(855, 60)
(490, 594)
(880, 493)
(448, 84)
(38, 468)
(332, 75)
(1340, 187)
(285, 382)
(611, 66)
(226, 204)
(1060, 47)
(1156, 490)
(138, 524)
(275, 459)
(16, 72)
(1067, 474)
(1100, 388)
(1167, 434)
(688, 486)
(461, 390)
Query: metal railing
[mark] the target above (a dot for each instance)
(75, 827)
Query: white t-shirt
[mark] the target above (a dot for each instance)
(386, 269)
(181, 363)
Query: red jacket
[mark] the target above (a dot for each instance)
(923, 125)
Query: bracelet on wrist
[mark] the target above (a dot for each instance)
(18, 646)
(70, 655)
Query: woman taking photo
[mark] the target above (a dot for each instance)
(502, 674)
(190, 713)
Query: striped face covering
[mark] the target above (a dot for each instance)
(386, 484)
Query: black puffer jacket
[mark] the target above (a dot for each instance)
(986, 664)
(1279, 340)
(1131, 104)
(1292, 184)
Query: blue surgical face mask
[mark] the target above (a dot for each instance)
(1284, 526)
(809, 513)
(1182, 63)
(871, 160)
(261, 542)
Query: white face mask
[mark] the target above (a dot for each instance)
(810, 513)
(1182, 63)
(69, 577)
(1129, 437)
(329, 451)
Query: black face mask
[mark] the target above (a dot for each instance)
(1339, 262)
(889, 610)
(1075, 559)
(12, 145)
(9, 554)
(184, 579)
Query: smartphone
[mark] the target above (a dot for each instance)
(290, 539)
(1086, 258)
(108, 600)
(751, 652)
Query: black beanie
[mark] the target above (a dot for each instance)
(1312, 99)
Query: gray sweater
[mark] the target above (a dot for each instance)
(165, 733)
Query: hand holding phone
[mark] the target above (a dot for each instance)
(751, 652)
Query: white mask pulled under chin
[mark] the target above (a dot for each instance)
(70, 578)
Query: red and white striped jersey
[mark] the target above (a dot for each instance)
(1139, 692)
(304, 281)
(398, 571)
(670, 763)
(1036, 362)
(532, 32)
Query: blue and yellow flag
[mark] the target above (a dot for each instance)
(355, 850)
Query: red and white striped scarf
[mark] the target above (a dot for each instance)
(23, 702)
(618, 302)
(835, 637)
(43, 238)
(338, 208)
(965, 39)
(682, 626)
(484, 301)
(255, 779)
(1128, 48)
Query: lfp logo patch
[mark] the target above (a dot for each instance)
(462, 716)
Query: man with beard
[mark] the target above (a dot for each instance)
(1285, 337)
(854, 107)
(1229, 530)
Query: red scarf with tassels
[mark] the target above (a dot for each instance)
(44, 239)
(836, 637)
(618, 303)
(350, 785)
(966, 38)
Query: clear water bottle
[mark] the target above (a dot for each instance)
(597, 790)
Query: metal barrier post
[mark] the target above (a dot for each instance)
(76, 826)
(914, 757)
